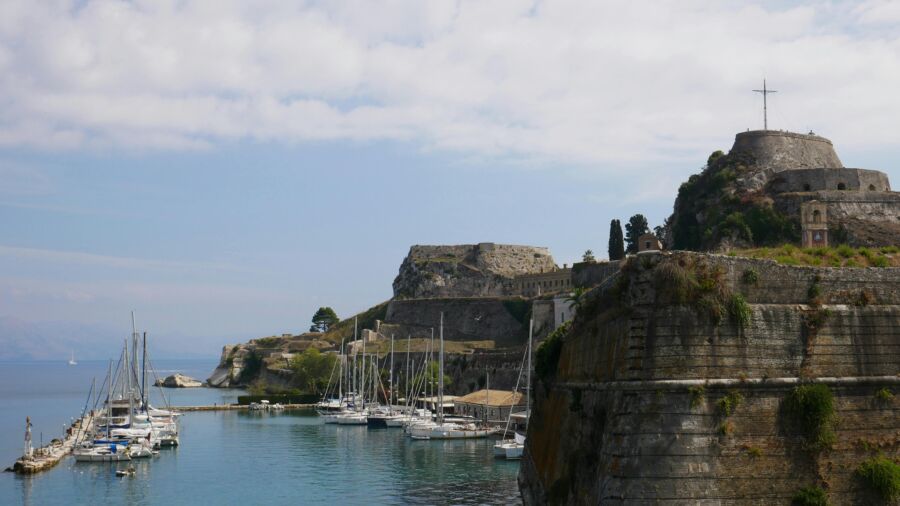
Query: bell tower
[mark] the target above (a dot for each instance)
(814, 224)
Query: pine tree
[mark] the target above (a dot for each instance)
(324, 318)
(616, 242)
(634, 229)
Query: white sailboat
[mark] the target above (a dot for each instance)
(445, 429)
(511, 449)
(72, 360)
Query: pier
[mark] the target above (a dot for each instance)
(48, 456)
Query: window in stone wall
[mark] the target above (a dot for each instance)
(806, 187)
(842, 186)
(871, 187)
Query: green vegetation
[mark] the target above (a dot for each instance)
(811, 410)
(267, 342)
(882, 476)
(431, 376)
(685, 281)
(343, 330)
(884, 395)
(577, 298)
(588, 256)
(546, 357)
(697, 393)
(727, 404)
(839, 256)
(815, 320)
(750, 277)
(312, 370)
(519, 308)
(253, 363)
(323, 320)
(634, 229)
(616, 241)
(726, 428)
(754, 451)
(810, 496)
(707, 209)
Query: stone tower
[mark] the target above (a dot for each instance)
(814, 224)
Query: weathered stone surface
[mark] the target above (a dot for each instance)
(632, 415)
(465, 319)
(777, 151)
(478, 270)
(178, 380)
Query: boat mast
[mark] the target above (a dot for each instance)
(487, 392)
(362, 374)
(528, 374)
(391, 380)
(428, 360)
(341, 376)
(108, 398)
(144, 376)
(407, 369)
(441, 376)
(353, 369)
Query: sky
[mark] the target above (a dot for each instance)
(224, 168)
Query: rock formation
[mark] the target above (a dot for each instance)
(265, 359)
(178, 380)
(478, 270)
(672, 386)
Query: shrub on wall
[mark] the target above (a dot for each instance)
(546, 358)
(810, 496)
(811, 409)
(882, 476)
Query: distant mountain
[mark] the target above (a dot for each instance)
(56, 340)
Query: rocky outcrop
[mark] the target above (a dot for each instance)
(670, 388)
(178, 380)
(478, 270)
(265, 359)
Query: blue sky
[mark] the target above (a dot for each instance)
(225, 170)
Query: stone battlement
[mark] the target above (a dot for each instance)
(778, 151)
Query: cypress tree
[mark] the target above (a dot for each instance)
(634, 229)
(616, 241)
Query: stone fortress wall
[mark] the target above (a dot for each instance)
(470, 270)
(632, 416)
(834, 179)
(777, 150)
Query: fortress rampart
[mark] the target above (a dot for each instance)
(633, 412)
(778, 151)
(823, 179)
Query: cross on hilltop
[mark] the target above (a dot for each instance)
(765, 92)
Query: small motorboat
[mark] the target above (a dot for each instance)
(129, 471)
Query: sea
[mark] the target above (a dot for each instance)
(236, 457)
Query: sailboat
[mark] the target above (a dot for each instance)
(444, 429)
(511, 449)
(72, 360)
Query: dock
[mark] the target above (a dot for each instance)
(48, 456)
(233, 407)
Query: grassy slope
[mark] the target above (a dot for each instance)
(839, 256)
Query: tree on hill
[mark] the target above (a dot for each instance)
(312, 369)
(324, 318)
(588, 256)
(634, 229)
(616, 241)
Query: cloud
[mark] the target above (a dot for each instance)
(595, 83)
(47, 256)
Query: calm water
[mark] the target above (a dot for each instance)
(240, 457)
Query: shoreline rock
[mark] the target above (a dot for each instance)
(179, 380)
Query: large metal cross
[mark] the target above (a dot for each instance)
(765, 92)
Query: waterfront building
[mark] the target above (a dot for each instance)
(498, 404)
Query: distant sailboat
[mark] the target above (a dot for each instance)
(72, 360)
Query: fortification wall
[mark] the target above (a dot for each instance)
(778, 151)
(631, 414)
(465, 319)
(804, 180)
(588, 274)
(472, 270)
(868, 218)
